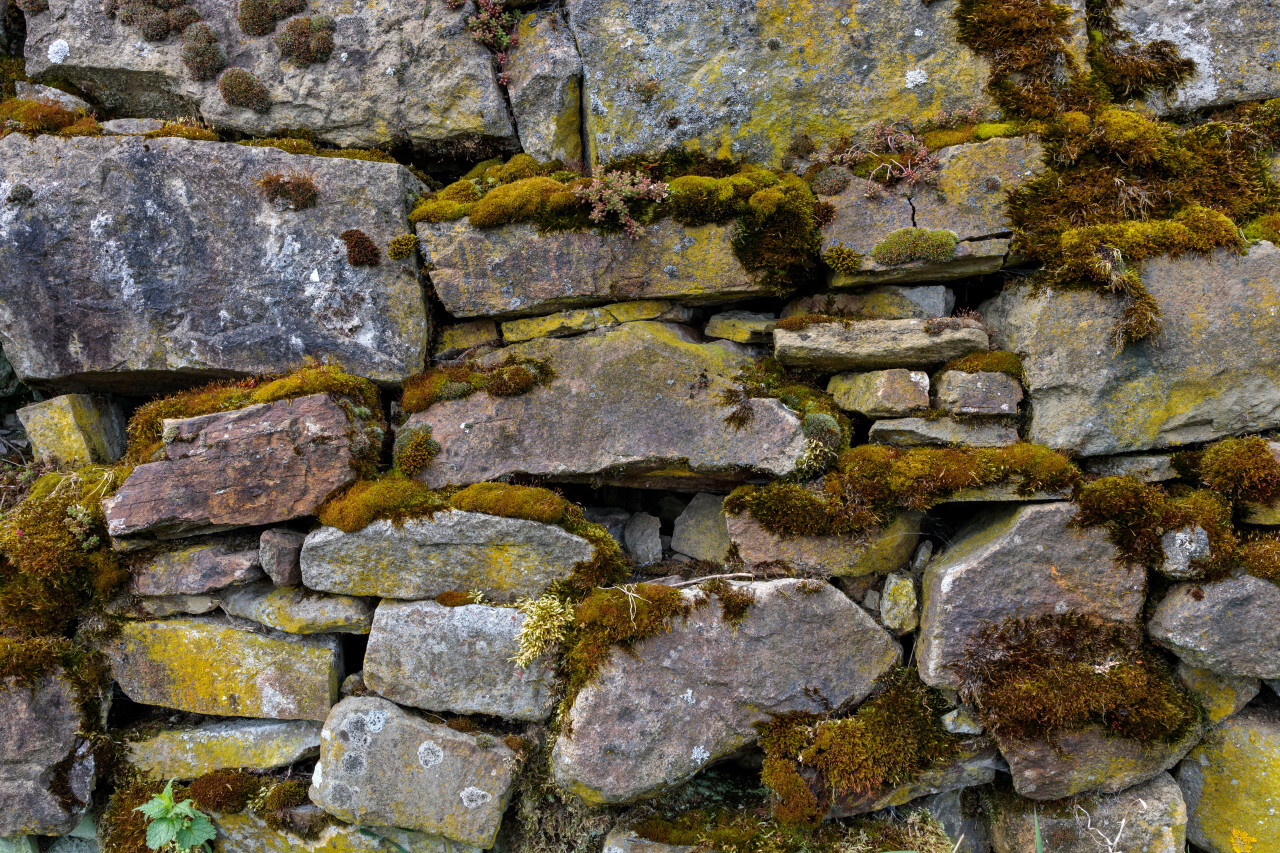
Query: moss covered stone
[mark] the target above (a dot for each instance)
(1229, 781)
(189, 751)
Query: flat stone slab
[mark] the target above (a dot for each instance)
(877, 344)
(879, 552)
(980, 393)
(456, 659)
(943, 432)
(196, 569)
(245, 832)
(296, 610)
(191, 751)
(171, 264)
(1215, 626)
(883, 302)
(881, 393)
(506, 558)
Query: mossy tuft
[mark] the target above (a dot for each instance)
(259, 17)
(983, 361)
(414, 449)
(399, 248)
(907, 245)
(393, 497)
(240, 88)
(306, 40)
(294, 189)
(226, 791)
(513, 376)
(202, 53)
(509, 501)
(361, 250)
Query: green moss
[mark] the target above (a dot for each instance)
(1241, 470)
(907, 245)
(513, 376)
(735, 601)
(240, 88)
(202, 53)
(402, 247)
(259, 17)
(1265, 227)
(279, 801)
(393, 496)
(520, 201)
(12, 70)
(306, 40)
(45, 117)
(1125, 68)
(414, 449)
(843, 259)
(1260, 557)
(983, 361)
(508, 501)
(183, 129)
(226, 791)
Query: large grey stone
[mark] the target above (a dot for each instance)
(1215, 626)
(877, 344)
(297, 610)
(701, 531)
(372, 91)
(505, 558)
(546, 88)
(1230, 784)
(1018, 561)
(642, 539)
(1215, 369)
(881, 393)
(210, 565)
(122, 281)
(382, 766)
(456, 659)
(652, 719)
(186, 752)
(662, 425)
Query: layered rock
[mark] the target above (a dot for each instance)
(944, 432)
(1230, 784)
(190, 751)
(877, 344)
(296, 610)
(122, 284)
(75, 429)
(1214, 626)
(877, 552)
(199, 568)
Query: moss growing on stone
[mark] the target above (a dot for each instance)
(393, 497)
(226, 791)
(282, 797)
(399, 248)
(294, 189)
(121, 827)
(414, 449)
(154, 19)
(1241, 470)
(240, 88)
(306, 40)
(907, 245)
(513, 376)
(995, 361)
(202, 53)
(843, 259)
(40, 117)
(259, 17)
(1124, 68)
(183, 128)
(1265, 227)
(24, 663)
(528, 502)
(361, 250)
(801, 392)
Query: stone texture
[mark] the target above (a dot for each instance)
(1148, 818)
(456, 660)
(278, 553)
(981, 393)
(296, 610)
(452, 341)
(945, 432)
(38, 92)
(75, 429)
(370, 92)
(878, 552)
(744, 327)
(881, 393)
(976, 765)
(210, 565)
(701, 530)
(664, 426)
(641, 537)
(1018, 561)
(168, 605)
(262, 464)
(383, 766)
(1230, 781)
(962, 817)
(689, 697)
(1215, 369)
(546, 88)
(505, 558)
(247, 833)
(1214, 626)
(877, 344)
(1219, 695)
(514, 270)
(566, 323)
(1147, 467)
(900, 604)
(47, 767)
(190, 751)
(131, 126)
(882, 302)
(121, 282)
(210, 665)
(1183, 548)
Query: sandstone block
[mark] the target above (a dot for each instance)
(247, 833)
(900, 604)
(877, 344)
(296, 610)
(190, 751)
(75, 429)
(882, 393)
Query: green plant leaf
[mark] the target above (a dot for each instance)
(154, 808)
(1039, 843)
(160, 832)
(200, 831)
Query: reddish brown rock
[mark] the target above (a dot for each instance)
(280, 551)
(877, 552)
(199, 568)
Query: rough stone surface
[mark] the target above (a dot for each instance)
(121, 282)
(1230, 784)
(1182, 549)
(881, 393)
(1219, 695)
(383, 766)
(75, 429)
(976, 765)
(247, 833)
(1148, 818)
(210, 665)
(877, 344)
(452, 341)
(296, 610)
(946, 432)
(701, 531)
(1147, 467)
(38, 92)
(444, 90)
(169, 605)
(879, 552)
(642, 539)
(686, 698)
(962, 817)
(744, 327)
(626, 841)
(664, 426)
(513, 270)
(546, 88)
(900, 604)
(883, 302)
(195, 569)
(191, 751)
(1214, 626)
(1215, 369)
(1018, 561)
(981, 393)
(457, 660)
(262, 464)
(131, 126)
(278, 553)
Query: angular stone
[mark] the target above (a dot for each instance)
(452, 341)
(456, 660)
(210, 665)
(546, 88)
(884, 302)
(962, 817)
(20, 844)
(122, 284)
(75, 429)
(1182, 549)
(900, 604)
(205, 567)
(1231, 782)
(131, 126)
(515, 270)
(664, 425)
(1147, 467)
(565, 323)
(1219, 695)
(160, 606)
(701, 531)
(654, 718)
(945, 432)
(37, 92)
(878, 344)
(612, 519)
(262, 464)
(744, 327)
(976, 765)
(878, 552)
(1215, 626)
(247, 833)
(1151, 817)
(505, 558)
(962, 721)
(642, 539)
(981, 393)
(1018, 561)
(278, 553)
(383, 766)
(190, 751)
(971, 258)
(881, 393)
(1087, 398)
(296, 610)
(369, 93)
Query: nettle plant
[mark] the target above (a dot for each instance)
(176, 827)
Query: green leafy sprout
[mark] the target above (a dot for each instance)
(176, 827)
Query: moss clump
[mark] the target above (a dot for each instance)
(507, 501)
(843, 259)
(520, 201)
(1241, 470)
(983, 361)
(279, 801)
(154, 19)
(122, 828)
(513, 376)
(184, 129)
(832, 181)
(306, 40)
(1125, 68)
(361, 250)
(399, 248)
(1034, 678)
(202, 53)
(453, 598)
(393, 496)
(293, 189)
(259, 17)
(39, 117)
(453, 202)
(226, 791)
(735, 601)
(1260, 557)
(414, 449)
(240, 88)
(800, 322)
(1265, 227)
(907, 245)
(798, 391)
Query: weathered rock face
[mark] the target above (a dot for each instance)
(881, 393)
(651, 720)
(514, 270)
(663, 424)
(209, 665)
(976, 765)
(1219, 695)
(75, 429)
(877, 344)
(744, 327)
(1230, 784)
(278, 553)
(1214, 626)
(701, 531)
(262, 464)
(247, 833)
(981, 393)
(188, 752)
(456, 659)
(1213, 369)
(196, 569)
(444, 89)
(295, 610)
(879, 552)
(944, 432)
(578, 320)
(885, 302)
(382, 766)
(506, 558)
(47, 768)
(1018, 562)
(546, 88)
(120, 281)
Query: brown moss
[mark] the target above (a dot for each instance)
(1241, 470)
(392, 496)
(280, 801)
(39, 117)
(294, 189)
(361, 250)
(453, 598)
(240, 88)
(259, 17)
(202, 53)
(121, 827)
(1260, 557)
(514, 375)
(306, 40)
(226, 791)
(525, 502)
(184, 128)
(735, 601)
(996, 361)
(1125, 68)
(24, 663)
